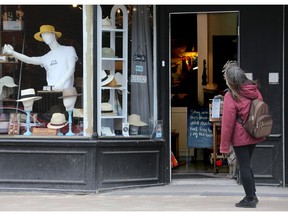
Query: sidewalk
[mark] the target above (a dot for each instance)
(203, 194)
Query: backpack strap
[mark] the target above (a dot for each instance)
(238, 117)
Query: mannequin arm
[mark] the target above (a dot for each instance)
(66, 75)
(8, 49)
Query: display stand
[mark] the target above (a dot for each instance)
(70, 133)
(216, 124)
(113, 37)
(28, 132)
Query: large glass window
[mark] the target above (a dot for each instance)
(27, 88)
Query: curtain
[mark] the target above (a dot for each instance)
(141, 64)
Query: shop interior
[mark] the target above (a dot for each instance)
(198, 52)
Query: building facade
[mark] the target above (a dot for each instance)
(96, 161)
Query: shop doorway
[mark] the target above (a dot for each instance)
(197, 53)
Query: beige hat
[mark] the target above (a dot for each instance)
(58, 121)
(28, 94)
(106, 107)
(46, 28)
(69, 92)
(135, 120)
(105, 79)
(108, 52)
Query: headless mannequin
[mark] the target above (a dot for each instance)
(50, 39)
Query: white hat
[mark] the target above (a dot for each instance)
(28, 94)
(119, 78)
(105, 79)
(6, 85)
(106, 23)
(135, 120)
(58, 121)
(6, 81)
(106, 107)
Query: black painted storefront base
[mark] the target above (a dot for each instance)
(80, 166)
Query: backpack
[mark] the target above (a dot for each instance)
(259, 122)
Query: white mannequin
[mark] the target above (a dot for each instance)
(67, 75)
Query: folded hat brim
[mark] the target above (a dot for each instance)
(69, 96)
(30, 98)
(7, 85)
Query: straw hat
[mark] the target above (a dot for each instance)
(113, 83)
(58, 121)
(69, 92)
(105, 79)
(28, 94)
(106, 107)
(46, 28)
(135, 120)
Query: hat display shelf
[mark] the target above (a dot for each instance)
(112, 43)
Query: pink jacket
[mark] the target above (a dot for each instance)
(232, 132)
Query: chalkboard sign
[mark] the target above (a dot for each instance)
(199, 129)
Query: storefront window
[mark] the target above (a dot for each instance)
(127, 81)
(27, 89)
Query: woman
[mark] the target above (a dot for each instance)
(237, 101)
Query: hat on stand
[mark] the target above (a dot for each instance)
(69, 92)
(28, 94)
(69, 96)
(58, 121)
(135, 120)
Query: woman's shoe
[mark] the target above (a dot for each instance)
(256, 199)
(244, 203)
